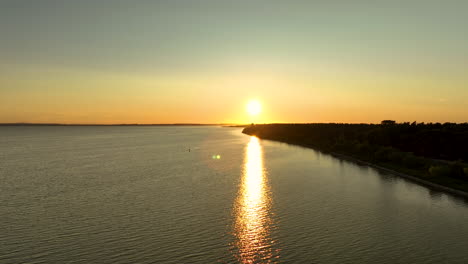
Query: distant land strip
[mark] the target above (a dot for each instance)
(433, 155)
(170, 124)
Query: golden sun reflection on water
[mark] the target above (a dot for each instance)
(253, 221)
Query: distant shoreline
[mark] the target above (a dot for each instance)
(267, 132)
(59, 124)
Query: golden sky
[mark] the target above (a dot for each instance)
(186, 62)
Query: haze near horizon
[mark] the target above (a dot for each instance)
(203, 61)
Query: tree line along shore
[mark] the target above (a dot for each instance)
(433, 152)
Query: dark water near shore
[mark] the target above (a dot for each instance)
(137, 195)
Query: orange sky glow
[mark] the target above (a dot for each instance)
(177, 62)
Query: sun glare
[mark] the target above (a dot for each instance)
(254, 107)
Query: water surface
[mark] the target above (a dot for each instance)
(209, 195)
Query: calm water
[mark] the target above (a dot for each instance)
(137, 195)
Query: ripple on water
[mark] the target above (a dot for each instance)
(135, 195)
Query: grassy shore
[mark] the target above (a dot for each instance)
(358, 143)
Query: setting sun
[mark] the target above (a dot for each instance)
(254, 107)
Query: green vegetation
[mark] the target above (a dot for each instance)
(436, 153)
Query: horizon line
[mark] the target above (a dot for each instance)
(201, 124)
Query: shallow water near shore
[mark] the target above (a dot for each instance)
(99, 194)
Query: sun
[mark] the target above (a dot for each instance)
(254, 107)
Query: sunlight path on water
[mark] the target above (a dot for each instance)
(252, 210)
